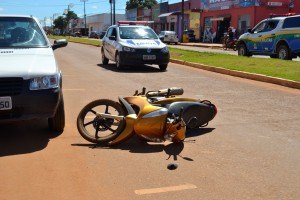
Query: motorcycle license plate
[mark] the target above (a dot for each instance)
(149, 57)
(5, 103)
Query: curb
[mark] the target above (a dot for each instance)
(257, 77)
(199, 45)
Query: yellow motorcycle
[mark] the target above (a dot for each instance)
(147, 115)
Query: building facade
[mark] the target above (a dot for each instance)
(218, 15)
(97, 22)
(212, 16)
(171, 19)
(100, 22)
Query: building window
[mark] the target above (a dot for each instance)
(244, 23)
(172, 26)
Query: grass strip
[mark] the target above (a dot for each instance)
(271, 67)
(80, 40)
(289, 70)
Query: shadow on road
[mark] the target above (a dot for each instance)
(131, 69)
(198, 132)
(135, 145)
(24, 137)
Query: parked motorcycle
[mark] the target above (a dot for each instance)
(229, 44)
(152, 116)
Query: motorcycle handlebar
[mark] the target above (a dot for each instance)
(165, 92)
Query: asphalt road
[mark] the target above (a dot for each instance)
(251, 150)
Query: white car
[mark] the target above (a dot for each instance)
(130, 43)
(30, 81)
(168, 37)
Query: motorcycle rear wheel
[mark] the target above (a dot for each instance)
(97, 129)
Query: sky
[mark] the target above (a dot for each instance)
(45, 9)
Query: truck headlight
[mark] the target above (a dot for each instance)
(128, 49)
(45, 82)
(165, 50)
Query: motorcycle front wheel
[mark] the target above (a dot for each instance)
(97, 128)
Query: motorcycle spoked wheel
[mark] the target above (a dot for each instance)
(97, 129)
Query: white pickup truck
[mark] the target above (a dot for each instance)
(30, 81)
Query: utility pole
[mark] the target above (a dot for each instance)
(111, 16)
(182, 19)
(66, 11)
(84, 15)
(114, 11)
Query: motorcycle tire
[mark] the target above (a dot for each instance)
(199, 116)
(91, 129)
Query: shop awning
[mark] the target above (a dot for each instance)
(167, 14)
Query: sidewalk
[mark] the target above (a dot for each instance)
(206, 45)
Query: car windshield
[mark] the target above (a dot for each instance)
(20, 32)
(137, 33)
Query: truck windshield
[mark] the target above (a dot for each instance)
(137, 33)
(20, 32)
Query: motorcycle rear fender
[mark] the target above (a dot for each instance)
(126, 105)
(128, 132)
(129, 119)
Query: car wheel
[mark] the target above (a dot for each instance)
(57, 122)
(242, 50)
(163, 67)
(119, 62)
(104, 59)
(283, 53)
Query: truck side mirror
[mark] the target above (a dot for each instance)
(59, 43)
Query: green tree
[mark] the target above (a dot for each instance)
(70, 15)
(149, 3)
(130, 4)
(60, 23)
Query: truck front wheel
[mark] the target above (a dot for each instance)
(57, 122)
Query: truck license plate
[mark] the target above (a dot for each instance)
(149, 57)
(5, 103)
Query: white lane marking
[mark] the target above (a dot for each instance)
(73, 89)
(165, 189)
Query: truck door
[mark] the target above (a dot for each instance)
(269, 36)
(254, 43)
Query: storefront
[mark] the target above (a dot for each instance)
(219, 15)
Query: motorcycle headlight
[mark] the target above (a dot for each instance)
(165, 50)
(128, 49)
(156, 113)
(45, 82)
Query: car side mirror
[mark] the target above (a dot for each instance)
(59, 43)
(112, 37)
(250, 30)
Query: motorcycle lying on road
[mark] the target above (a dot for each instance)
(153, 116)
